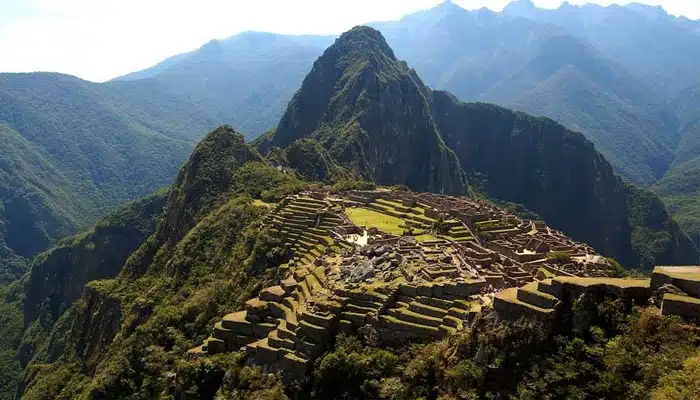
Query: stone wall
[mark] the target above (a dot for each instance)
(685, 278)
(682, 306)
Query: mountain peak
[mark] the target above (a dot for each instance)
(520, 7)
(371, 113)
(363, 40)
(448, 5)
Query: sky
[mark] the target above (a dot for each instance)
(101, 39)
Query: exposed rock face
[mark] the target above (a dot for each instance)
(542, 165)
(100, 254)
(373, 115)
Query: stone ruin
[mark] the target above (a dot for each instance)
(348, 278)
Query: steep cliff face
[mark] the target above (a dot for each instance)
(58, 277)
(372, 113)
(559, 174)
(38, 310)
(542, 165)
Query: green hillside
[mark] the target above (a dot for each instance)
(76, 149)
(30, 307)
(656, 47)
(37, 204)
(245, 80)
(71, 156)
(679, 187)
(207, 245)
(567, 81)
(134, 298)
(128, 335)
(115, 141)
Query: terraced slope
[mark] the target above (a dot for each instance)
(304, 222)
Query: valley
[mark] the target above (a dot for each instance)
(365, 227)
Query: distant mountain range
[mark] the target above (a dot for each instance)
(372, 114)
(128, 298)
(626, 77)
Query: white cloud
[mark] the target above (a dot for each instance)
(98, 40)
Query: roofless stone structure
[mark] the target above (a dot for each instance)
(414, 267)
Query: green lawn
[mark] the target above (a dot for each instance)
(260, 203)
(425, 237)
(675, 297)
(371, 218)
(619, 282)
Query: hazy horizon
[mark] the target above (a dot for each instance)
(100, 41)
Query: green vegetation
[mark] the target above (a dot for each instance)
(246, 80)
(656, 237)
(373, 219)
(311, 161)
(97, 254)
(682, 384)
(354, 371)
(351, 184)
(334, 106)
(207, 256)
(551, 170)
(11, 326)
(69, 157)
(559, 257)
(534, 163)
(615, 355)
(265, 183)
(134, 295)
(425, 238)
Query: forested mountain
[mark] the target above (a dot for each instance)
(680, 187)
(590, 68)
(148, 283)
(613, 73)
(70, 154)
(543, 69)
(201, 238)
(372, 114)
(74, 150)
(245, 80)
(659, 49)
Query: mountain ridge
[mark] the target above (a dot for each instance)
(531, 161)
(249, 88)
(344, 104)
(133, 332)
